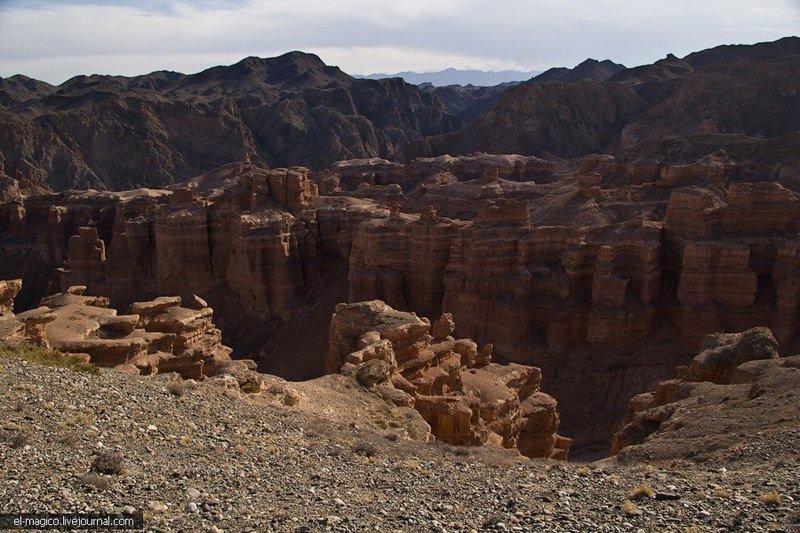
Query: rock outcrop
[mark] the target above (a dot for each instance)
(159, 336)
(734, 255)
(466, 399)
(725, 359)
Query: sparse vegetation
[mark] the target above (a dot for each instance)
(722, 492)
(367, 449)
(109, 463)
(177, 388)
(642, 491)
(462, 451)
(41, 356)
(771, 498)
(630, 508)
(70, 439)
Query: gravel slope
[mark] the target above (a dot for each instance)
(209, 460)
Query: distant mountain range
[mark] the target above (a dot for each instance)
(453, 76)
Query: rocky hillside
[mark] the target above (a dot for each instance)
(729, 90)
(204, 456)
(152, 130)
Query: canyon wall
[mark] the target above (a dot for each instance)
(605, 275)
(260, 238)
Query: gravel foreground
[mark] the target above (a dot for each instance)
(206, 458)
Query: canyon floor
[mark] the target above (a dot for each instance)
(203, 457)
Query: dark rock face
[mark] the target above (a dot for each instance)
(566, 119)
(118, 133)
(467, 102)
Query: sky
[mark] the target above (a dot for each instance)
(53, 40)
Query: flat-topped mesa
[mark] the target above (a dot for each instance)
(745, 209)
(165, 337)
(504, 211)
(349, 175)
(353, 173)
(483, 166)
(147, 311)
(724, 359)
(466, 399)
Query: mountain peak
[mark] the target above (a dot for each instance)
(589, 69)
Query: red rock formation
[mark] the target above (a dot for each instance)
(402, 261)
(159, 336)
(507, 281)
(354, 172)
(735, 252)
(488, 167)
(8, 291)
(465, 398)
(257, 236)
(550, 275)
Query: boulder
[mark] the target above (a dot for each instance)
(373, 372)
(723, 352)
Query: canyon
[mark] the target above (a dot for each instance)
(605, 285)
(564, 250)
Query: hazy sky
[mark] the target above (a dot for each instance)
(55, 39)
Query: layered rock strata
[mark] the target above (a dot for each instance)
(452, 383)
(735, 258)
(503, 278)
(159, 336)
(259, 237)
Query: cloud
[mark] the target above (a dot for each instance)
(56, 39)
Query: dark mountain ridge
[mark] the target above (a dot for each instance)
(749, 90)
(591, 69)
(152, 130)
